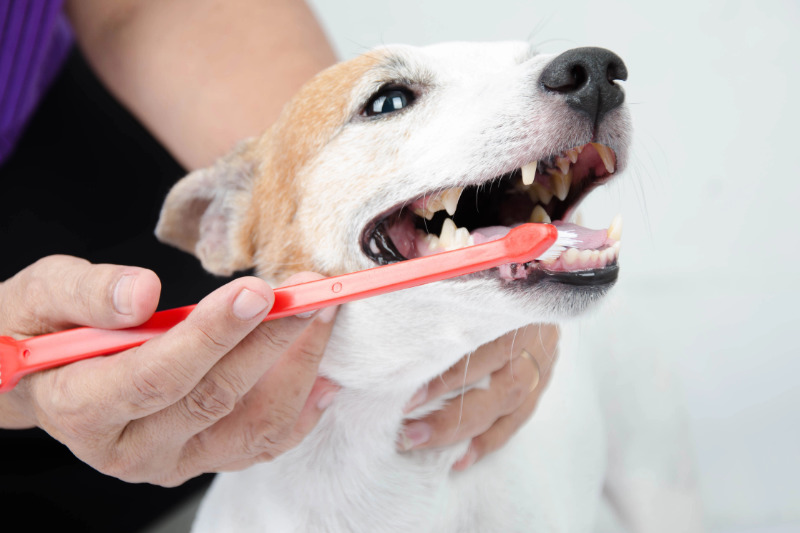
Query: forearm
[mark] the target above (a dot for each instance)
(201, 74)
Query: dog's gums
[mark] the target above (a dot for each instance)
(548, 190)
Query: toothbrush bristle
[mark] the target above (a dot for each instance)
(566, 239)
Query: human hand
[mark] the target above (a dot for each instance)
(219, 391)
(519, 363)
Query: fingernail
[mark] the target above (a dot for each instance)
(123, 294)
(326, 400)
(416, 400)
(414, 434)
(467, 460)
(248, 304)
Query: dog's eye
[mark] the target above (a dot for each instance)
(388, 101)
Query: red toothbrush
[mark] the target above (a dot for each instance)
(522, 244)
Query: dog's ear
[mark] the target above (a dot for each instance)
(205, 212)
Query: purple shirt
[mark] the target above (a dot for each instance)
(35, 38)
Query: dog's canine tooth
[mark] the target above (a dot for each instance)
(606, 155)
(539, 215)
(449, 199)
(615, 228)
(561, 183)
(529, 173)
(448, 234)
(373, 246)
(544, 194)
(563, 164)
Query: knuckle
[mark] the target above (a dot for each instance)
(128, 465)
(211, 400)
(209, 340)
(154, 385)
(308, 357)
(271, 339)
(515, 395)
(271, 435)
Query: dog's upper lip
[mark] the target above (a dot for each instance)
(549, 189)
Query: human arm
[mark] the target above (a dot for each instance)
(201, 74)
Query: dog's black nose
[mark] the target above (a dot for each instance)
(585, 76)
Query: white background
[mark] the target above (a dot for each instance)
(710, 249)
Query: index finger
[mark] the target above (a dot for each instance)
(166, 368)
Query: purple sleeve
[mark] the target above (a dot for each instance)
(34, 41)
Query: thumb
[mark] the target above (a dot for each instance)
(60, 292)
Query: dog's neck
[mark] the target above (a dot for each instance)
(397, 342)
(352, 455)
(356, 471)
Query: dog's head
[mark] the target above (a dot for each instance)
(405, 151)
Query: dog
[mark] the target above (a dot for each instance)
(399, 153)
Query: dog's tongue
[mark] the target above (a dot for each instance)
(588, 239)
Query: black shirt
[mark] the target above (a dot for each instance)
(87, 180)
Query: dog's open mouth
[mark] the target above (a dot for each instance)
(545, 191)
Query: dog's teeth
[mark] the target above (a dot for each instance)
(424, 213)
(449, 199)
(452, 237)
(448, 234)
(529, 173)
(373, 247)
(539, 215)
(433, 203)
(432, 241)
(561, 183)
(615, 228)
(462, 238)
(544, 194)
(570, 257)
(573, 155)
(563, 164)
(585, 257)
(606, 155)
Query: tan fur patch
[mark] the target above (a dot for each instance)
(308, 122)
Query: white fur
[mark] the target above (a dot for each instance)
(483, 114)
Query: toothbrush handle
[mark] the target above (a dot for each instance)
(521, 244)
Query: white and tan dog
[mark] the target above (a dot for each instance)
(399, 153)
